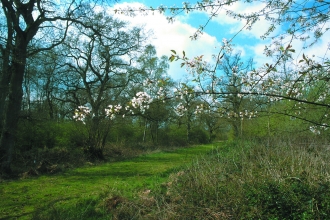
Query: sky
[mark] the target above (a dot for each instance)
(175, 36)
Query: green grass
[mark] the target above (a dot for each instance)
(239, 180)
(81, 188)
(244, 180)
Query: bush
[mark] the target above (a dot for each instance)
(36, 134)
(39, 142)
(292, 199)
(199, 136)
(123, 133)
(173, 136)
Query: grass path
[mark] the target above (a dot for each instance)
(20, 198)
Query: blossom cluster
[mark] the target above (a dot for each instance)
(241, 114)
(226, 46)
(80, 113)
(180, 109)
(141, 101)
(156, 87)
(317, 129)
(199, 109)
(112, 111)
(161, 93)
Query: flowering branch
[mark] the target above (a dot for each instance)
(80, 113)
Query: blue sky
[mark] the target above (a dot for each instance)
(175, 36)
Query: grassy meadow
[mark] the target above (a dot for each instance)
(227, 180)
(39, 197)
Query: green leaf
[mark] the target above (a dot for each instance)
(173, 51)
(304, 57)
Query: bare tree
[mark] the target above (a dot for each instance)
(100, 67)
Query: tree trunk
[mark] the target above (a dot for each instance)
(210, 135)
(12, 109)
(5, 73)
(157, 127)
(236, 126)
(188, 129)
(145, 131)
(4, 82)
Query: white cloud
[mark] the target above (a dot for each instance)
(175, 36)
(259, 58)
(244, 8)
(240, 49)
(318, 51)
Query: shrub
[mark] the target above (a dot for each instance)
(41, 142)
(174, 136)
(36, 134)
(199, 136)
(292, 199)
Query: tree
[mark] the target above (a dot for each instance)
(41, 86)
(29, 27)
(186, 109)
(214, 122)
(100, 67)
(301, 20)
(232, 71)
(157, 84)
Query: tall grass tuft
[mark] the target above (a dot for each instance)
(244, 180)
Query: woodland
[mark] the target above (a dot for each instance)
(76, 81)
(79, 87)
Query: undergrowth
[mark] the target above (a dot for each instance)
(242, 181)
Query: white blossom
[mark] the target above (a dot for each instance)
(112, 110)
(180, 109)
(80, 113)
(141, 101)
